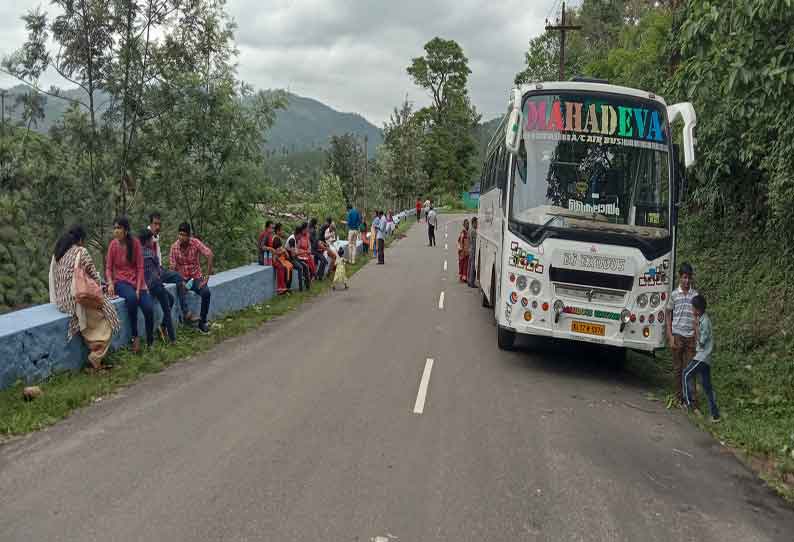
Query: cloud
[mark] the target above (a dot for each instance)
(352, 54)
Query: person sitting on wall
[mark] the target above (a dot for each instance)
(96, 324)
(184, 259)
(318, 250)
(154, 281)
(124, 273)
(262, 245)
(168, 276)
(300, 267)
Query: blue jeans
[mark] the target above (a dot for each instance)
(172, 277)
(126, 291)
(694, 368)
(205, 295)
(159, 292)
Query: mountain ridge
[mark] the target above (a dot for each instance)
(305, 124)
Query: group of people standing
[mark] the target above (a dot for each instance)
(133, 271)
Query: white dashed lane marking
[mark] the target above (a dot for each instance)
(419, 406)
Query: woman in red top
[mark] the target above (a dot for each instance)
(305, 249)
(124, 272)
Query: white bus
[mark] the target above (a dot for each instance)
(577, 218)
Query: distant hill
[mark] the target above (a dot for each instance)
(305, 125)
(309, 124)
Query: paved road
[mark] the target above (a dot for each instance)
(306, 430)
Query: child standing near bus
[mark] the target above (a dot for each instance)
(701, 364)
(681, 327)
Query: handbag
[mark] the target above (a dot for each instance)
(86, 290)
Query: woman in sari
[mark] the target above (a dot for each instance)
(472, 275)
(96, 326)
(463, 252)
(281, 263)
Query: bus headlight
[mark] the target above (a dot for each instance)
(535, 287)
(521, 283)
(642, 301)
(655, 300)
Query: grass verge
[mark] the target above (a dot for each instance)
(65, 392)
(747, 284)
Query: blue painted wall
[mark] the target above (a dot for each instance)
(33, 341)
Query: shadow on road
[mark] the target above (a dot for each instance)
(578, 360)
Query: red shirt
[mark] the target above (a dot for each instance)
(185, 261)
(418, 205)
(117, 268)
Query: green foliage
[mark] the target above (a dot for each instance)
(449, 147)
(175, 130)
(640, 59)
(21, 256)
(737, 67)
(329, 201)
(400, 161)
(347, 161)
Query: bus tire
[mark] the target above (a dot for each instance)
(505, 338)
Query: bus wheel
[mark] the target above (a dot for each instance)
(505, 338)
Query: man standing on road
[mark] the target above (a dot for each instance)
(353, 224)
(380, 228)
(432, 223)
(681, 327)
(418, 209)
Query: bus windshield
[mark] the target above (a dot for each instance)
(594, 163)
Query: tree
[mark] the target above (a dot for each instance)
(401, 168)
(345, 159)
(737, 67)
(449, 122)
(443, 71)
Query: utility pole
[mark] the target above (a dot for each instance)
(562, 28)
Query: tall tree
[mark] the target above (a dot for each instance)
(451, 119)
(346, 160)
(402, 169)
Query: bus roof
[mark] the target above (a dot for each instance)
(593, 87)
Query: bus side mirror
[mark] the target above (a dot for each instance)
(686, 113)
(513, 128)
(680, 184)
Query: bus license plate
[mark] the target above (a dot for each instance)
(588, 328)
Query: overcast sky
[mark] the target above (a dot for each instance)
(352, 54)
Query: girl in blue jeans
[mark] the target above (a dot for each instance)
(124, 273)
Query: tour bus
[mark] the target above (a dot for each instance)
(577, 218)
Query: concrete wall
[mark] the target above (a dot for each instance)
(33, 341)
